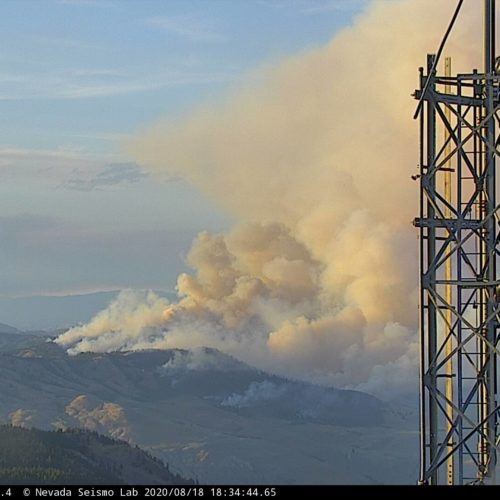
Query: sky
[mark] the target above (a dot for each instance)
(78, 78)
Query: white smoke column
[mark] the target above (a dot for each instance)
(318, 280)
(139, 311)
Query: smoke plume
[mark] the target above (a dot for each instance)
(314, 157)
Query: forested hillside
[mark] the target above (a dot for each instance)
(31, 456)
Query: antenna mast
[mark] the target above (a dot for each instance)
(459, 288)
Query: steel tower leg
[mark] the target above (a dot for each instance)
(488, 454)
(431, 277)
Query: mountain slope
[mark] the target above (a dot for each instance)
(210, 416)
(30, 456)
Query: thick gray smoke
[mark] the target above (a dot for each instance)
(318, 280)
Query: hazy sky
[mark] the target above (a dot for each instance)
(77, 77)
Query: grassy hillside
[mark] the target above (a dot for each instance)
(30, 456)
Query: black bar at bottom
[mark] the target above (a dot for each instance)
(211, 491)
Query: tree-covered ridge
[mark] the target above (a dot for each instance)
(31, 456)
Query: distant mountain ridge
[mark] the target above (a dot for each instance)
(54, 312)
(159, 375)
(8, 329)
(207, 414)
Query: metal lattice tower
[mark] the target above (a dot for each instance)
(459, 288)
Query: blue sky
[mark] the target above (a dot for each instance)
(79, 76)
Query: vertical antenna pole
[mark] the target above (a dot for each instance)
(448, 276)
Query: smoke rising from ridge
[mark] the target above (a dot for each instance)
(318, 280)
